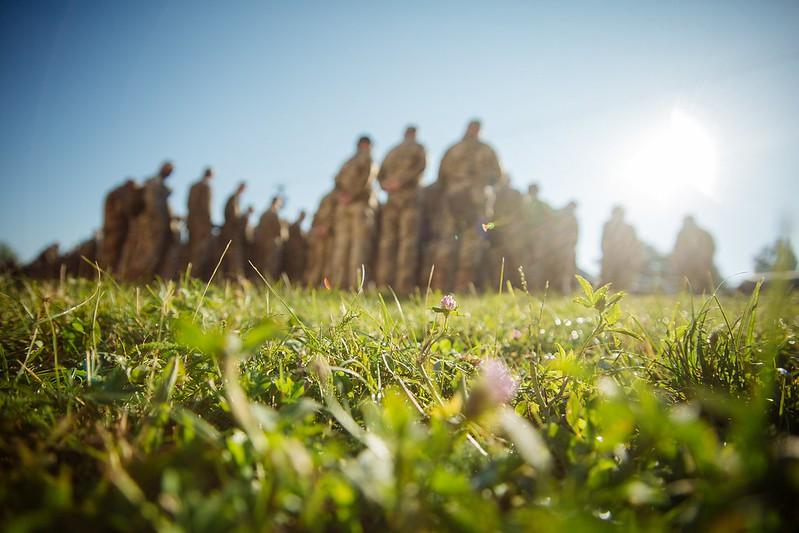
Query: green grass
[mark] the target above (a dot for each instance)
(169, 408)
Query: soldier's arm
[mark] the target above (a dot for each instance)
(491, 169)
(443, 167)
(205, 197)
(134, 204)
(341, 177)
(349, 179)
(362, 176)
(150, 196)
(382, 174)
(418, 161)
(230, 209)
(605, 239)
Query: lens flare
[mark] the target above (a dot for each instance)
(676, 159)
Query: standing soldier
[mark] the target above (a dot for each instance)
(122, 205)
(692, 257)
(621, 252)
(295, 250)
(467, 168)
(537, 220)
(398, 248)
(506, 238)
(268, 239)
(46, 265)
(199, 224)
(354, 218)
(79, 261)
(176, 253)
(430, 230)
(320, 240)
(235, 231)
(150, 232)
(564, 267)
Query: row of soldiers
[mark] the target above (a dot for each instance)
(141, 238)
(470, 228)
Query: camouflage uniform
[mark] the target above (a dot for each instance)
(295, 251)
(75, 261)
(176, 256)
(556, 262)
(268, 237)
(466, 169)
(149, 234)
(430, 229)
(199, 228)
(539, 241)
(121, 206)
(506, 239)
(354, 224)
(692, 258)
(398, 248)
(621, 255)
(320, 241)
(234, 231)
(45, 266)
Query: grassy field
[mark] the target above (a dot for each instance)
(245, 408)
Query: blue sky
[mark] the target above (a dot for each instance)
(275, 93)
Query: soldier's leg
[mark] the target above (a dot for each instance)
(515, 252)
(271, 259)
(325, 259)
(444, 253)
(205, 257)
(565, 277)
(387, 246)
(407, 250)
(544, 263)
(363, 235)
(470, 258)
(133, 251)
(111, 248)
(234, 260)
(340, 254)
(493, 262)
(426, 262)
(312, 277)
(227, 248)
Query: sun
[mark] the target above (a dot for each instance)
(677, 158)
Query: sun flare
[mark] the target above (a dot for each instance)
(676, 158)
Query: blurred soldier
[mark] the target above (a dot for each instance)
(176, 256)
(537, 220)
(466, 169)
(122, 205)
(150, 232)
(234, 231)
(692, 257)
(78, 261)
(506, 237)
(45, 265)
(398, 248)
(320, 240)
(87, 251)
(354, 225)
(295, 250)
(621, 252)
(564, 254)
(430, 229)
(268, 240)
(198, 223)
